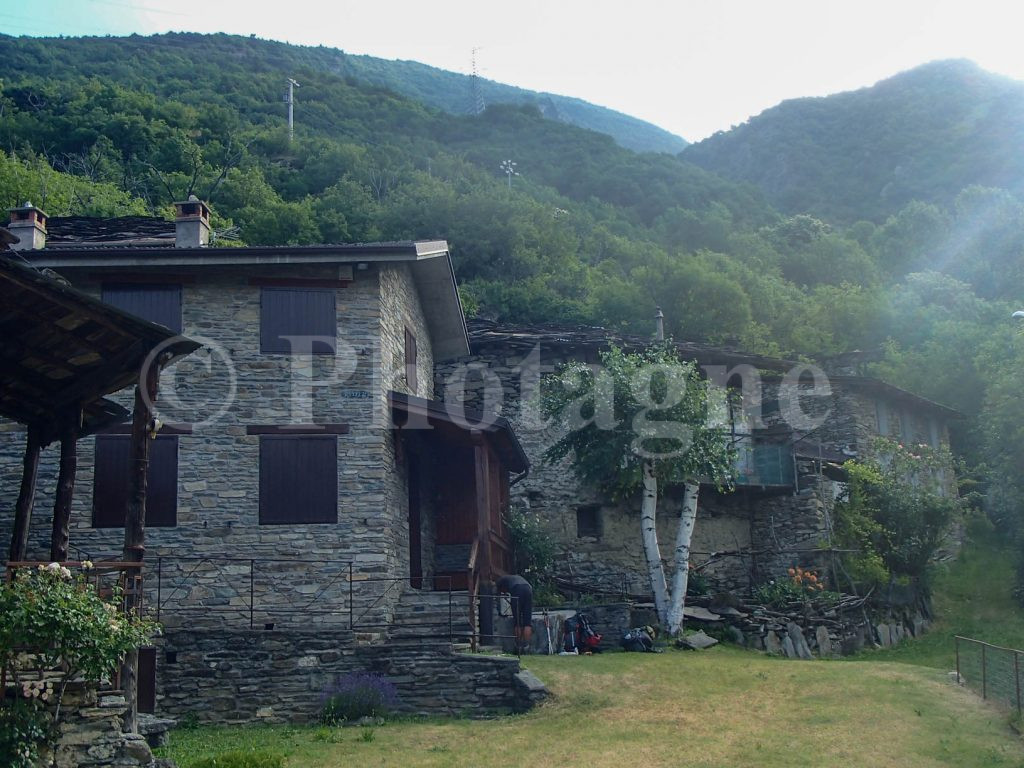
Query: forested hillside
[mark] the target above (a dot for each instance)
(589, 232)
(922, 135)
(451, 92)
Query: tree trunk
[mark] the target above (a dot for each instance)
(61, 534)
(681, 575)
(26, 497)
(135, 530)
(649, 529)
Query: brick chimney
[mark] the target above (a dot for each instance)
(28, 224)
(191, 223)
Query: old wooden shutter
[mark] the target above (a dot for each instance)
(298, 479)
(156, 303)
(288, 312)
(146, 693)
(110, 481)
(410, 361)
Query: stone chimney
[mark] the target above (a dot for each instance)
(191, 223)
(28, 224)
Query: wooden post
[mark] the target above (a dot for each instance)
(135, 527)
(26, 497)
(483, 534)
(61, 535)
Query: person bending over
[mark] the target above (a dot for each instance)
(522, 607)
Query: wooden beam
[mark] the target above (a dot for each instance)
(16, 352)
(153, 278)
(483, 504)
(298, 282)
(297, 429)
(101, 381)
(61, 534)
(135, 527)
(72, 304)
(26, 496)
(166, 429)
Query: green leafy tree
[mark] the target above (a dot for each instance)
(636, 424)
(897, 511)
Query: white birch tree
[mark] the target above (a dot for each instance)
(640, 423)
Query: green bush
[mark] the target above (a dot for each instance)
(533, 546)
(57, 618)
(24, 726)
(896, 514)
(242, 760)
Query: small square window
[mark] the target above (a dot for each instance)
(298, 320)
(588, 522)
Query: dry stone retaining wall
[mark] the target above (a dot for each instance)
(280, 676)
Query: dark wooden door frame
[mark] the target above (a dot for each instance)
(415, 524)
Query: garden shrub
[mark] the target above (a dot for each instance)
(261, 759)
(24, 727)
(357, 695)
(533, 547)
(801, 586)
(896, 513)
(55, 618)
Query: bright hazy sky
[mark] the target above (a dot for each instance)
(691, 67)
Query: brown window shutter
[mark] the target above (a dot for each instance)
(156, 303)
(298, 479)
(410, 361)
(297, 312)
(110, 482)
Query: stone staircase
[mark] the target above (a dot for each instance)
(422, 616)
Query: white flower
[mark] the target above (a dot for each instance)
(64, 572)
(87, 565)
(53, 567)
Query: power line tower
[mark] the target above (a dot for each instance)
(289, 99)
(476, 96)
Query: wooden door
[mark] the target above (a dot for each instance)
(415, 527)
(146, 694)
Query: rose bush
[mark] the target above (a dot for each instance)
(55, 628)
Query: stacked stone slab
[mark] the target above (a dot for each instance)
(91, 735)
(243, 676)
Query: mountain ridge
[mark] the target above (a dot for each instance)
(922, 134)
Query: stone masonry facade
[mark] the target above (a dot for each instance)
(218, 462)
(742, 538)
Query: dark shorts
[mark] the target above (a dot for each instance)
(522, 605)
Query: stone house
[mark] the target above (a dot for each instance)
(792, 434)
(303, 479)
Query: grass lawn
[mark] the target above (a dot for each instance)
(723, 707)
(973, 598)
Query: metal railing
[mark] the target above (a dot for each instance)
(259, 592)
(281, 593)
(990, 670)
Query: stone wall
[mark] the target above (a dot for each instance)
(779, 528)
(90, 732)
(218, 463)
(280, 676)
(503, 380)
